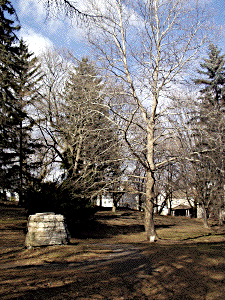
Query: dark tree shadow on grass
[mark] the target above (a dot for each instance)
(100, 227)
(175, 272)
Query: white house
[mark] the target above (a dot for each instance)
(179, 204)
(105, 201)
(9, 196)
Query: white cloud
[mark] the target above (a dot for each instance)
(61, 27)
(36, 42)
(34, 8)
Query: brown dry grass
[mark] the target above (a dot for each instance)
(110, 259)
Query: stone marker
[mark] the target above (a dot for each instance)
(46, 229)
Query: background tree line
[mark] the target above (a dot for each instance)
(74, 130)
(58, 149)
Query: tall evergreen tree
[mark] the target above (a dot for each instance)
(210, 130)
(76, 132)
(27, 79)
(213, 80)
(8, 114)
(19, 75)
(91, 154)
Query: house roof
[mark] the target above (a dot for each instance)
(181, 194)
(181, 206)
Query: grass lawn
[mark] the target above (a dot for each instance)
(109, 258)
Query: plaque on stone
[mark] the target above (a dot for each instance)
(46, 229)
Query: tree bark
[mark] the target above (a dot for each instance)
(220, 213)
(204, 217)
(149, 208)
(21, 165)
(113, 208)
(159, 65)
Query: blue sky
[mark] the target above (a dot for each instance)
(40, 33)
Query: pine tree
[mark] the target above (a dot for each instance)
(27, 79)
(213, 82)
(19, 76)
(8, 114)
(210, 129)
(77, 132)
(91, 147)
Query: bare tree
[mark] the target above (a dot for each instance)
(74, 125)
(200, 151)
(55, 66)
(70, 9)
(204, 136)
(147, 45)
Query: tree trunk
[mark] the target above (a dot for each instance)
(21, 165)
(150, 179)
(114, 208)
(220, 215)
(156, 206)
(205, 217)
(78, 154)
(149, 207)
(139, 202)
(169, 207)
(100, 200)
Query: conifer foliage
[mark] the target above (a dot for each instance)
(77, 131)
(210, 130)
(8, 110)
(213, 82)
(19, 75)
(90, 154)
